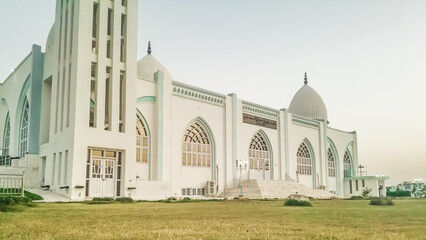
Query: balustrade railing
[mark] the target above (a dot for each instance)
(12, 184)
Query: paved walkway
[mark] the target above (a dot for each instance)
(48, 196)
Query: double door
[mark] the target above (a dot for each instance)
(102, 182)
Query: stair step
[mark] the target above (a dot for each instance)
(257, 189)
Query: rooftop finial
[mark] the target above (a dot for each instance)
(306, 79)
(149, 48)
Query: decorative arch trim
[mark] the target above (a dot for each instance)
(312, 155)
(211, 139)
(270, 150)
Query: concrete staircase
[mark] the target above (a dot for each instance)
(257, 189)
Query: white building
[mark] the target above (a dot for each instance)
(70, 114)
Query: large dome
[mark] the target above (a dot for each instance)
(148, 65)
(308, 103)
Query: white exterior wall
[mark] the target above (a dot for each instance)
(370, 182)
(13, 92)
(298, 133)
(184, 112)
(341, 141)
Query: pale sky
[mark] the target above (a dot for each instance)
(367, 59)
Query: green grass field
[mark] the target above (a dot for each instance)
(254, 219)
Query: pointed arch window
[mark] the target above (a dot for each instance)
(23, 140)
(259, 156)
(5, 160)
(304, 160)
(347, 164)
(331, 163)
(196, 147)
(142, 141)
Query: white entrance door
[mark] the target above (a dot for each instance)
(102, 180)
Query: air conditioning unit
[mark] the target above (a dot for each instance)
(211, 189)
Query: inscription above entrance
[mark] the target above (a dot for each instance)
(259, 121)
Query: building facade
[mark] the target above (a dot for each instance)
(86, 119)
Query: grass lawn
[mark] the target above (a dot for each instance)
(254, 219)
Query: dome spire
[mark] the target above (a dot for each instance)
(306, 79)
(149, 48)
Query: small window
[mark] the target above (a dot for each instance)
(356, 185)
(363, 183)
(350, 186)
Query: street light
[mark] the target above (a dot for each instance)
(240, 164)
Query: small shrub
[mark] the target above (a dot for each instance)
(356, 198)
(381, 201)
(294, 202)
(172, 198)
(124, 200)
(187, 198)
(103, 199)
(366, 192)
(14, 203)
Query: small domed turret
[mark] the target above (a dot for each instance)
(148, 65)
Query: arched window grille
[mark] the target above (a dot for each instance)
(331, 163)
(196, 147)
(304, 160)
(347, 164)
(142, 141)
(23, 140)
(5, 159)
(258, 153)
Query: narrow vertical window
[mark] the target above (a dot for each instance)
(108, 92)
(122, 106)
(68, 95)
(95, 27)
(331, 163)
(57, 102)
(66, 30)
(109, 33)
(119, 163)
(124, 3)
(93, 95)
(350, 186)
(65, 175)
(142, 141)
(59, 170)
(109, 24)
(347, 164)
(23, 141)
(53, 169)
(5, 159)
(123, 38)
(62, 116)
(72, 26)
(60, 31)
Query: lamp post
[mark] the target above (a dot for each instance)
(240, 164)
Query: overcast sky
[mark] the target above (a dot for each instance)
(367, 59)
